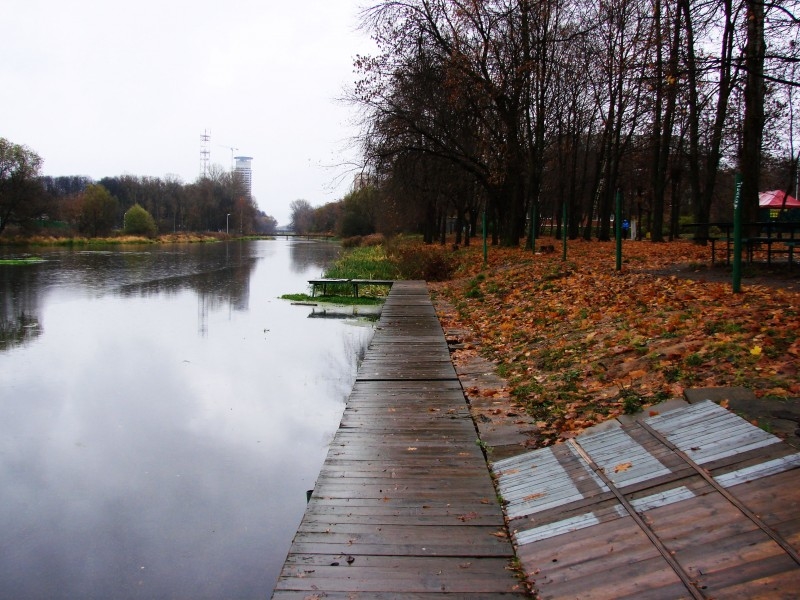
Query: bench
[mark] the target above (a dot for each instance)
(314, 283)
(756, 243)
(713, 241)
(790, 246)
(357, 282)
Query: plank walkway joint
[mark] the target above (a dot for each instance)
(404, 506)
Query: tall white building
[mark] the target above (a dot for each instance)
(245, 172)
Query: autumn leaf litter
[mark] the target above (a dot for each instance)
(580, 343)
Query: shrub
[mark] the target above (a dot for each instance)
(139, 222)
(424, 262)
(374, 239)
(352, 242)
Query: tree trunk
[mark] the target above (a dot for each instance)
(753, 127)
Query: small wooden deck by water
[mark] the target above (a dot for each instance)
(404, 506)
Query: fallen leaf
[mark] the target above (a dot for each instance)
(622, 467)
(533, 497)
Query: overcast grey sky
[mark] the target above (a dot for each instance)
(104, 88)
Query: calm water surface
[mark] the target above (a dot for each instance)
(162, 414)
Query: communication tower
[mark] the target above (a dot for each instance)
(205, 153)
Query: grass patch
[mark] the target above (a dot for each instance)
(363, 262)
(632, 402)
(27, 260)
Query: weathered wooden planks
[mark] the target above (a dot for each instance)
(693, 503)
(404, 506)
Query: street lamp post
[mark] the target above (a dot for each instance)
(227, 218)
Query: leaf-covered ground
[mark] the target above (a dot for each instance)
(580, 342)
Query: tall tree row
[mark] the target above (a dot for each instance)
(521, 107)
(218, 202)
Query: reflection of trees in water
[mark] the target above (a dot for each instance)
(344, 363)
(18, 331)
(220, 287)
(19, 306)
(215, 289)
(309, 254)
(356, 313)
(219, 275)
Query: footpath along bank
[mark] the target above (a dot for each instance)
(404, 506)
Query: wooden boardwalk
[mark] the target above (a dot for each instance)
(404, 506)
(694, 503)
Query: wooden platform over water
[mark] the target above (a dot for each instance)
(404, 506)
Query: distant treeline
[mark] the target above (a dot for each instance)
(218, 202)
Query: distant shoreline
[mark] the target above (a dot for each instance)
(171, 238)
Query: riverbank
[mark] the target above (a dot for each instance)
(169, 238)
(577, 343)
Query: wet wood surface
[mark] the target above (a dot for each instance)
(404, 506)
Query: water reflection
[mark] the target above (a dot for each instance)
(304, 260)
(138, 460)
(369, 313)
(19, 306)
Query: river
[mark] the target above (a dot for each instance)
(162, 414)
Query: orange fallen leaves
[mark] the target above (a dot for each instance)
(580, 343)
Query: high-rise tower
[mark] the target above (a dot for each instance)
(245, 172)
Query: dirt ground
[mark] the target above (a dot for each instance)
(773, 276)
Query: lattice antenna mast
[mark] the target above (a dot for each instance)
(205, 153)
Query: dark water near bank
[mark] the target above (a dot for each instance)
(162, 414)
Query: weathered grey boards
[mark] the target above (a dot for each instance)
(692, 503)
(404, 506)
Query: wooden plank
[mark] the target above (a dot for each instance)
(609, 560)
(772, 578)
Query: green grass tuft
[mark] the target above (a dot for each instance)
(29, 260)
